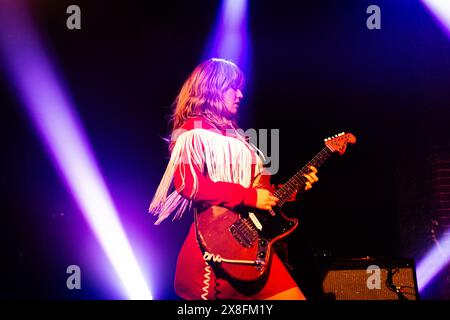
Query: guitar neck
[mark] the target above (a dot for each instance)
(298, 180)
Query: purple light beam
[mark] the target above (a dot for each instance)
(440, 9)
(52, 113)
(435, 260)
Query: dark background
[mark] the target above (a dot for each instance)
(316, 71)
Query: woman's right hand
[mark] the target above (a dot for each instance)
(265, 199)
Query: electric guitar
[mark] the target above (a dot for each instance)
(240, 242)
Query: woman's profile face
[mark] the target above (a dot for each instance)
(232, 99)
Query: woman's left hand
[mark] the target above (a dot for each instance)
(312, 178)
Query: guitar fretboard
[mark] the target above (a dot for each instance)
(298, 180)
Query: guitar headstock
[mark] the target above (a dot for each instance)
(338, 142)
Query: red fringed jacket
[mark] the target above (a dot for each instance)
(193, 278)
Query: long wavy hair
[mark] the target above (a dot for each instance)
(202, 94)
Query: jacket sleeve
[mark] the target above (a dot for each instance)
(225, 194)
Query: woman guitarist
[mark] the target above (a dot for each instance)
(212, 164)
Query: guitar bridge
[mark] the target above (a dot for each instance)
(244, 232)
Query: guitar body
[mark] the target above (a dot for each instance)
(247, 234)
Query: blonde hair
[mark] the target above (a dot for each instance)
(202, 93)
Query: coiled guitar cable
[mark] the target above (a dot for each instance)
(208, 257)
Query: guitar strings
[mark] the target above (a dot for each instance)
(298, 179)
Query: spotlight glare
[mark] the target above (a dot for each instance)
(229, 39)
(58, 125)
(441, 11)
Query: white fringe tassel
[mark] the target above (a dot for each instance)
(226, 159)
